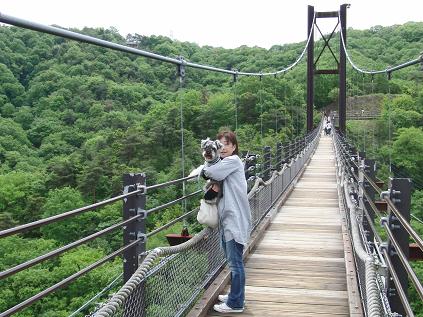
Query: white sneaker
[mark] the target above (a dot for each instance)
(223, 298)
(223, 308)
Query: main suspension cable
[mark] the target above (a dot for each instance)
(122, 48)
(387, 70)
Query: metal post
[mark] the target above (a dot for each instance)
(342, 70)
(290, 151)
(278, 156)
(298, 145)
(400, 194)
(310, 69)
(267, 158)
(132, 206)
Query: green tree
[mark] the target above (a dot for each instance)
(407, 149)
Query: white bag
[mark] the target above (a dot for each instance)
(208, 215)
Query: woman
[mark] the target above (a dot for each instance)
(234, 218)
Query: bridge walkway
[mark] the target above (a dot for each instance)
(298, 268)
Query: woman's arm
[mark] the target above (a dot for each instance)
(222, 169)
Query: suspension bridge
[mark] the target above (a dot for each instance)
(316, 247)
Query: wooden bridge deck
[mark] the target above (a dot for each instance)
(298, 268)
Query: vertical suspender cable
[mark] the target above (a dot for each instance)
(389, 122)
(181, 76)
(261, 110)
(285, 115)
(362, 113)
(364, 88)
(235, 100)
(374, 123)
(298, 120)
(276, 108)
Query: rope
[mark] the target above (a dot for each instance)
(120, 297)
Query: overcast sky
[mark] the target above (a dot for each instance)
(224, 23)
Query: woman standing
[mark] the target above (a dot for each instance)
(234, 218)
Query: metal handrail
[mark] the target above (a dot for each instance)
(39, 223)
(405, 223)
(173, 202)
(401, 293)
(411, 274)
(67, 247)
(169, 183)
(66, 281)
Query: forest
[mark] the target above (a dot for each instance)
(75, 117)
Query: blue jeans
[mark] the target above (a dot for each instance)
(233, 252)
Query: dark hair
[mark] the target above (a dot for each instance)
(230, 137)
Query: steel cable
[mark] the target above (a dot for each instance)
(386, 70)
(122, 48)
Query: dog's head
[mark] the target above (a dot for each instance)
(211, 149)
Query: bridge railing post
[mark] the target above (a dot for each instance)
(132, 206)
(290, 150)
(267, 163)
(278, 156)
(400, 195)
(297, 146)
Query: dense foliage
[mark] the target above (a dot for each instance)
(74, 118)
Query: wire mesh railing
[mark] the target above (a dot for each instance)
(383, 265)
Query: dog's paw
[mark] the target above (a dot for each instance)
(195, 172)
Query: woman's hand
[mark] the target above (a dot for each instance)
(216, 188)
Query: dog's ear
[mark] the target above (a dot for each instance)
(203, 142)
(219, 144)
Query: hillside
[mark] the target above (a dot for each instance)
(74, 118)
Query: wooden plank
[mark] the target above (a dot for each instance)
(289, 258)
(299, 296)
(299, 272)
(272, 249)
(308, 235)
(256, 263)
(302, 243)
(257, 308)
(303, 227)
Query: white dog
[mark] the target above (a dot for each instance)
(211, 153)
(207, 214)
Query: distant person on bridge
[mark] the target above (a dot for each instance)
(328, 128)
(234, 218)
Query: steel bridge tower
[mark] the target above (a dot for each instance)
(341, 64)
